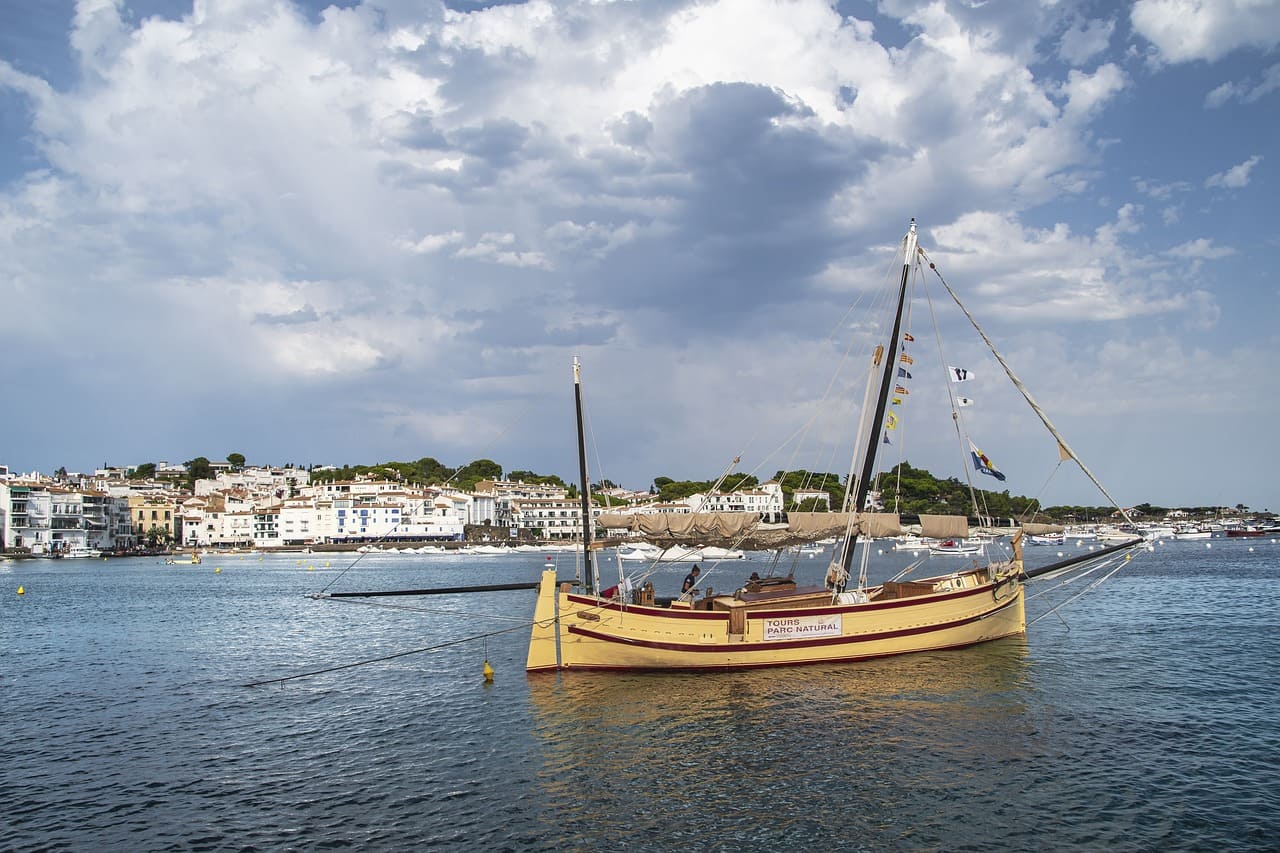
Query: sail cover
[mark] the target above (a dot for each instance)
(944, 526)
(1033, 529)
(745, 529)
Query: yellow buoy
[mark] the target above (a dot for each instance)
(311, 568)
(488, 672)
(22, 590)
(218, 570)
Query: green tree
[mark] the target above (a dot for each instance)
(670, 490)
(145, 471)
(475, 471)
(236, 460)
(197, 469)
(157, 536)
(801, 479)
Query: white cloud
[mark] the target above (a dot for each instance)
(1245, 91)
(1039, 275)
(1085, 40)
(498, 249)
(1235, 177)
(410, 196)
(1161, 190)
(1201, 248)
(431, 242)
(1188, 30)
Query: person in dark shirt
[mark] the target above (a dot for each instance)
(690, 580)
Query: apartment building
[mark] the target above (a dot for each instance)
(51, 520)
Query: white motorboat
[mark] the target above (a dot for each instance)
(954, 547)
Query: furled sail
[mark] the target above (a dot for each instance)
(745, 529)
(944, 526)
(1032, 528)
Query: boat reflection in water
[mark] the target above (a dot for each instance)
(748, 754)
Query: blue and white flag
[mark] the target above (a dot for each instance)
(903, 374)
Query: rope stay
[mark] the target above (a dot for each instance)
(385, 658)
(1026, 394)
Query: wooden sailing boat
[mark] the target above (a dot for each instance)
(775, 621)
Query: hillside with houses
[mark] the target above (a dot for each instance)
(201, 504)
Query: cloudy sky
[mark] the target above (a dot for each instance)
(351, 232)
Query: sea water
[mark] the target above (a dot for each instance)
(1140, 715)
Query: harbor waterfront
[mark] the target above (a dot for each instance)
(1143, 720)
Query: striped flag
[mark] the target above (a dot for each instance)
(982, 464)
(906, 359)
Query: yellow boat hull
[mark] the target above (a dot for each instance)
(574, 631)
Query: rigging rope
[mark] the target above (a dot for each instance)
(1035, 501)
(1083, 570)
(1026, 394)
(412, 609)
(384, 658)
(1090, 588)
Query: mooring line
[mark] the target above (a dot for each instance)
(387, 657)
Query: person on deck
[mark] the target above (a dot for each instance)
(690, 580)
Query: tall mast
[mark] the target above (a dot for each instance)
(588, 571)
(890, 357)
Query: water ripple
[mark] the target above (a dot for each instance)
(1145, 721)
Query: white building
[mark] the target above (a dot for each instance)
(217, 521)
(764, 499)
(49, 520)
(818, 496)
(547, 518)
(278, 483)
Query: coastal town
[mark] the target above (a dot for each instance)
(112, 511)
(117, 511)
